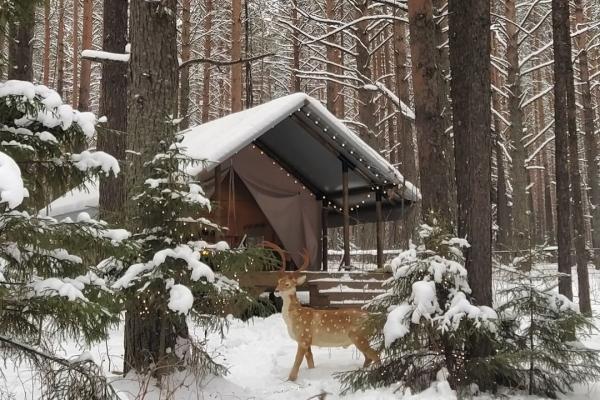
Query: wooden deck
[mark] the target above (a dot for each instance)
(326, 289)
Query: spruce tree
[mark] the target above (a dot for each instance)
(176, 275)
(50, 284)
(542, 329)
(427, 320)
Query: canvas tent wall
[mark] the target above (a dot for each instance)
(291, 154)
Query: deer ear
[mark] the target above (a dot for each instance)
(301, 279)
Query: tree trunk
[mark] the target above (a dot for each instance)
(46, 63)
(562, 59)
(295, 84)
(236, 54)
(520, 235)
(575, 176)
(333, 88)
(366, 107)
(113, 104)
(206, 68)
(431, 138)
(151, 98)
(590, 139)
(75, 60)
(60, 48)
(469, 33)
(86, 65)
(186, 52)
(20, 45)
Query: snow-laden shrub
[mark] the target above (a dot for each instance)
(428, 320)
(50, 285)
(176, 274)
(542, 330)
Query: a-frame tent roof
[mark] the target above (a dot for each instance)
(304, 138)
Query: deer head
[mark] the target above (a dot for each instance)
(288, 281)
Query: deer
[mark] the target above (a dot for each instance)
(318, 327)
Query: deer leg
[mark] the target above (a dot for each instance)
(309, 358)
(362, 344)
(299, 357)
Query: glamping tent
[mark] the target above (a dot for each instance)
(286, 170)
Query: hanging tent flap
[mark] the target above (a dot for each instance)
(292, 211)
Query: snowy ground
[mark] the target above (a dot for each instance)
(259, 355)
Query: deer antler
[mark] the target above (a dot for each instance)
(279, 250)
(305, 260)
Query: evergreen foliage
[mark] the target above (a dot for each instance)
(542, 329)
(177, 275)
(427, 320)
(50, 284)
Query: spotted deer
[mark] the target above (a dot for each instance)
(318, 327)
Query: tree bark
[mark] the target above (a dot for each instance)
(151, 98)
(186, 52)
(207, 67)
(469, 36)
(578, 222)
(333, 88)
(236, 54)
(366, 107)
(75, 60)
(562, 59)
(20, 45)
(521, 229)
(86, 65)
(589, 129)
(113, 104)
(295, 79)
(60, 48)
(46, 63)
(431, 137)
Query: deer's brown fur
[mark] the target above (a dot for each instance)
(323, 328)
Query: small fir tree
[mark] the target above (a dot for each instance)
(50, 287)
(428, 320)
(542, 329)
(176, 274)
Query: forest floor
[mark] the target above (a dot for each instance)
(259, 355)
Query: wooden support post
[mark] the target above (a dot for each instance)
(346, 210)
(324, 238)
(379, 228)
(218, 200)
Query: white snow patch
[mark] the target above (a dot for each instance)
(12, 189)
(181, 299)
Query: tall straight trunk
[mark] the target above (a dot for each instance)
(575, 176)
(589, 128)
(520, 225)
(46, 57)
(562, 59)
(236, 54)
(186, 52)
(113, 104)
(295, 79)
(333, 88)
(206, 68)
(86, 65)
(151, 98)
(20, 45)
(431, 137)
(548, 204)
(405, 151)
(75, 61)
(60, 48)
(366, 107)
(503, 219)
(469, 35)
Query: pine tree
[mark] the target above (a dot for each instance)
(428, 320)
(50, 284)
(176, 274)
(537, 328)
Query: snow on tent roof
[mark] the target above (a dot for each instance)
(218, 140)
